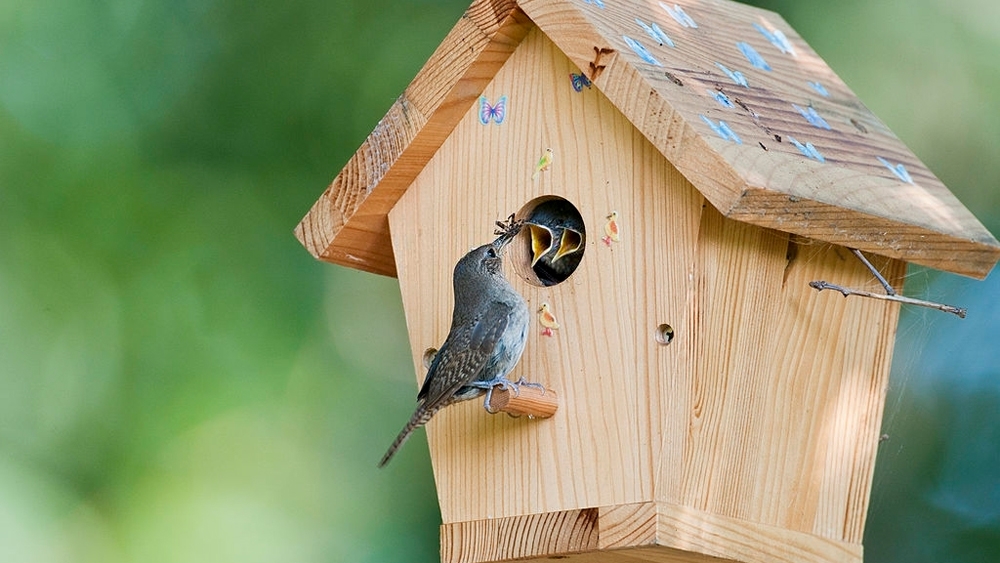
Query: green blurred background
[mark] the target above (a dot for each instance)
(181, 382)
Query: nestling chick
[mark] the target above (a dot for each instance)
(557, 240)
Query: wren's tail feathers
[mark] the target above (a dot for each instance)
(419, 418)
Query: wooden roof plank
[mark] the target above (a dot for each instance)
(348, 224)
(728, 93)
(766, 137)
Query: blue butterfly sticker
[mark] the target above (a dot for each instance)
(495, 113)
(820, 89)
(722, 130)
(655, 33)
(643, 53)
(679, 15)
(807, 149)
(579, 81)
(899, 170)
(814, 119)
(777, 38)
(734, 75)
(753, 56)
(720, 97)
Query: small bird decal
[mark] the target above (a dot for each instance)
(611, 229)
(543, 163)
(547, 319)
(489, 327)
(557, 240)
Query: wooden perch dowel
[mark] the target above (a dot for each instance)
(535, 402)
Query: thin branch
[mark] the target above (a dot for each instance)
(821, 285)
(874, 271)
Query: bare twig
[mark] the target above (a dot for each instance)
(890, 293)
(875, 272)
(821, 285)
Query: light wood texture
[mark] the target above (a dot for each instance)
(585, 455)
(498, 539)
(762, 412)
(786, 386)
(348, 225)
(528, 401)
(852, 199)
(656, 532)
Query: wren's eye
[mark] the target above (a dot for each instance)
(491, 252)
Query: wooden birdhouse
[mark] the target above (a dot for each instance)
(712, 404)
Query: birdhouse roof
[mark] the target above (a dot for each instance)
(728, 93)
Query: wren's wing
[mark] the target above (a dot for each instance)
(464, 355)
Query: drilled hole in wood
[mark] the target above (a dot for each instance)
(664, 334)
(552, 242)
(428, 357)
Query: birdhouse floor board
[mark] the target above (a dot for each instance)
(647, 532)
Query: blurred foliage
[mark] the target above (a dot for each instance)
(181, 381)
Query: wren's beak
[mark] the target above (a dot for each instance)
(507, 235)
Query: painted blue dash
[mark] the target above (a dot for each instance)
(643, 53)
(722, 130)
(814, 119)
(679, 15)
(899, 170)
(819, 88)
(807, 149)
(753, 56)
(734, 75)
(720, 97)
(655, 33)
(598, 3)
(776, 38)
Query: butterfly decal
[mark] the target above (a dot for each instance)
(810, 115)
(807, 150)
(753, 56)
(579, 81)
(655, 33)
(721, 97)
(495, 113)
(641, 51)
(734, 75)
(776, 38)
(899, 170)
(723, 130)
(819, 88)
(679, 15)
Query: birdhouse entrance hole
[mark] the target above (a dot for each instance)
(552, 242)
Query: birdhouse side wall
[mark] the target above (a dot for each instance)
(775, 416)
